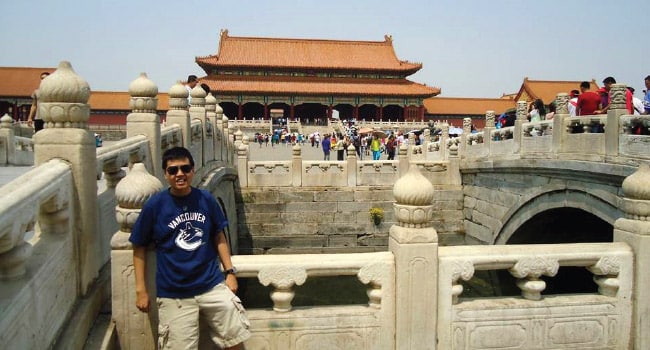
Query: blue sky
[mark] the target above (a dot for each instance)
(468, 48)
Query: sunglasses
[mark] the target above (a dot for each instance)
(185, 168)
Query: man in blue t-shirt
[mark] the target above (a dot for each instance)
(185, 225)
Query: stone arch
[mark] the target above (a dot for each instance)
(599, 206)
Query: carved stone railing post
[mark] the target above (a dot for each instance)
(403, 164)
(65, 111)
(522, 113)
(487, 131)
(178, 114)
(467, 130)
(414, 243)
(143, 120)
(296, 166)
(561, 113)
(210, 129)
(136, 330)
(7, 143)
(352, 166)
(444, 136)
(425, 143)
(227, 141)
(219, 134)
(616, 109)
(197, 112)
(634, 229)
(242, 164)
(283, 279)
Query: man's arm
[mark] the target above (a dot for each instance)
(140, 267)
(32, 111)
(221, 244)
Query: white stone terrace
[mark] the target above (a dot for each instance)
(64, 248)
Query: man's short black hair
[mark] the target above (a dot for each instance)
(176, 153)
(205, 88)
(609, 80)
(192, 78)
(585, 84)
(647, 78)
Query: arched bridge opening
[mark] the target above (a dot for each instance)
(559, 216)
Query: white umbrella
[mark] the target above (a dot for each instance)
(455, 130)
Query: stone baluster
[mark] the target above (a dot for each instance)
(178, 114)
(219, 138)
(443, 140)
(616, 109)
(487, 131)
(606, 272)
(411, 148)
(529, 270)
(561, 114)
(227, 140)
(64, 107)
(375, 277)
(634, 229)
(352, 166)
(242, 164)
(283, 279)
(425, 143)
(197, 112)
(143, 120)
(414, 243)
(462, 270)
(296, 165)
(209, 143)
(8, 146)
(522, 117)
(136, 330)
(403, 164)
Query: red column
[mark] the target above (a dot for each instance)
(291, 112)
(421, 113)
(329, 111)
(356, 112)
(240, 111)
(266, 111)
(405, 112)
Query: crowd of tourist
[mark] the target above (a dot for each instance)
(584, 102)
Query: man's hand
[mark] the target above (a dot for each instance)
(142, 301)
(29, 122)
(231, 282)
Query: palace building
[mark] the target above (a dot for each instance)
(310, 79)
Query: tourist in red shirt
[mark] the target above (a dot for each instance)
(588, 101)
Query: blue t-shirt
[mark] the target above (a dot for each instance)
(646, 101)
(183, 230)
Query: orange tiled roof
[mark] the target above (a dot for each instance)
(305, 54)
(466, 106)
(281, 85)
(118, 100)
(20, 81)
(547, 90)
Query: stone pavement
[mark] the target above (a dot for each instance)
(9, 173)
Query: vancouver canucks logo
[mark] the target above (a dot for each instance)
(189, 238)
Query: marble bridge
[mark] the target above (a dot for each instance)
(451, 207)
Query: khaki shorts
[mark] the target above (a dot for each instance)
(219, 307)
